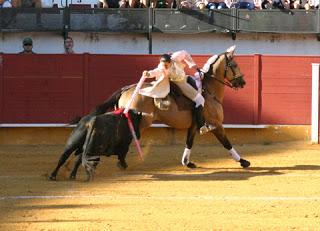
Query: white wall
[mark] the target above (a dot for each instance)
(103, 43)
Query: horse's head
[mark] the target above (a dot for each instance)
(224, 67)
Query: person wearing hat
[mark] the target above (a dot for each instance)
(27, 45)
(171, 68)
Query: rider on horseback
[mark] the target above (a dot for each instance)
(171, 68)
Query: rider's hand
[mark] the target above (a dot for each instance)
(146, 73)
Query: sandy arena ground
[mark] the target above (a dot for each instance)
(281, 191)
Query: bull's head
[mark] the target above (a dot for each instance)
(136, 118)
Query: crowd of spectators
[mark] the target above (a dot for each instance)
(186, 4)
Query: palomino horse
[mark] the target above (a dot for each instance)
(223, 71)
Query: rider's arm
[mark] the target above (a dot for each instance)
(155, 73)
(182, 55)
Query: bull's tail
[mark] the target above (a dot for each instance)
(89, 162)
(75, 120)
(111, 102)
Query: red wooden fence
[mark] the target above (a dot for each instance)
(55, 88)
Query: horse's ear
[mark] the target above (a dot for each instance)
(231, 49)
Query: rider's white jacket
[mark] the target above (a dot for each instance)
(161, 87)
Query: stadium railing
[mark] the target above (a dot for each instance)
(160, 20)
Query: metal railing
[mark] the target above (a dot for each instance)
(159, 20)
(30, 19)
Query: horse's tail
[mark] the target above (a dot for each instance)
(111, 102)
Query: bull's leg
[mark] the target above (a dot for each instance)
(73, 174)
(122, 164)
(221, 136)
(65, 155)
(187, 151)
(74, 142)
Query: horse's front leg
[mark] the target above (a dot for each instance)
(221, 136)
(187, 151)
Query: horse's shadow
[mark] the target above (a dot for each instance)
(225, 174)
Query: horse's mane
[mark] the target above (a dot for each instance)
(209, 73)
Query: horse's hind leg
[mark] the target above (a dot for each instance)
(187, 151)
(221, 136)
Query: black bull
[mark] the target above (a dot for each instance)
(106, 134)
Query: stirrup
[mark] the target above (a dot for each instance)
(206, 128)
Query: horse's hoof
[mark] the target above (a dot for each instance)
(191, 165)
(52, 178)
(122, 166)
(72, 177)
(244, 163)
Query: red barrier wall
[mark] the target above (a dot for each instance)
(56, 88)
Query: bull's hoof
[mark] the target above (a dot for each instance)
(122, 166)
(244, 163)
(191, 165)
(72, 177)
(89, 178)
(52, 178)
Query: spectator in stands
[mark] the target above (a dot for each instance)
(109, 4)
(27, 45)
(275, 4)
(5, 4)
(187, 4)
(266, 5)
(200, 4)
(160, 3)
(119, 3)
(30, 3)
(302, 4)
(247, 4)
(314, 4)
(216, 4)
(68, 46)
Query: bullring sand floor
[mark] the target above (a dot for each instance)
(280, 191)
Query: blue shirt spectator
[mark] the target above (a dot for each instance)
(5, 4)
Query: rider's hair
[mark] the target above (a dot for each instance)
(165, 58)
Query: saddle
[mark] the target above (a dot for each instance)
(176, 94)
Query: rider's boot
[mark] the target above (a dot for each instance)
(202, 125)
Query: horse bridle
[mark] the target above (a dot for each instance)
(232, 65)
